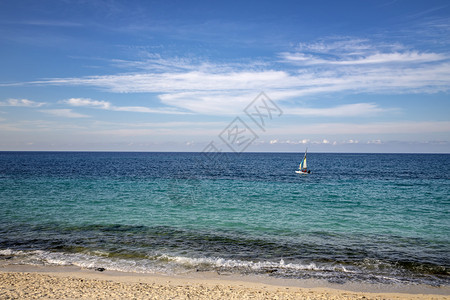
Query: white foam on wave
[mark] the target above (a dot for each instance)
(162, 263)
(170, 264)
(6, 252)
(10, 252)
(82, 260)
(218, 262)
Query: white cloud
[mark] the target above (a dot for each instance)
(304, 141)
(88, 102)
(154, 63)
(351, 141)
(348, 46)
(366, 128)
(181, 124)
(207, 92)
(220, 103)
(335, 44)
(21, 103)
(45, 23)
(143, 109)
(377, 58)
(377, 142)
(330, 66)
(65, 113)
(160, 132)
(40, 125)
(181, 81)
(108, 106)
(357, 109)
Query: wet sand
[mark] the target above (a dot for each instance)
(34, 282)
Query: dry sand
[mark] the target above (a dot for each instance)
(25, 282)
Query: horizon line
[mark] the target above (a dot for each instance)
(224, 152)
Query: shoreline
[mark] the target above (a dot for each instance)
(51, 282)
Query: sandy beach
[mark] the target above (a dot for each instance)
(31, 282)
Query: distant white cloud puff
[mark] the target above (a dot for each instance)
(88, 102)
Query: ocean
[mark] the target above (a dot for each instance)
(370, 218)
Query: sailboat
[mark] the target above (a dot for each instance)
(302, 168)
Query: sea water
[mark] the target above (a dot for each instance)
(377, 218)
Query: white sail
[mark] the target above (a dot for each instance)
(302, 168)
(304, 160)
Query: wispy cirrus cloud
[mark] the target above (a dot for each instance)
(347, 45)
(377, 58)
(270, 78)
(305, 80)
(211, 103)
(21, 103)
(339, 128)
(174, 124)
(342, 51)
(52, 23)
(348, 110)
(174, 132)
(340, 65)
(86, 102)
(64, 113)
(179, 81)
(155, 62)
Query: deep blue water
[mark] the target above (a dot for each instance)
(356, 217)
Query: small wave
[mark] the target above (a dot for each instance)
(173, 264)
(162, 262)
(218, 262)
(18, 253)
(82, 260)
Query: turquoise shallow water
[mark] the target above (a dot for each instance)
(356, 217)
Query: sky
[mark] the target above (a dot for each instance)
(231, 76)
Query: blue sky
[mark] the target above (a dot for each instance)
(347, 76)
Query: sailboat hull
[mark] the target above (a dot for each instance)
(301, 172)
